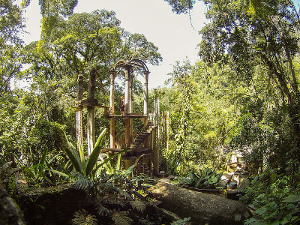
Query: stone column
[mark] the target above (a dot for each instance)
(127, 89)
(91, 112)
(90, 128)
(78, 106)
(131, 109)
(146, 74)
(130, 93)
(127, 105)
(112, 137)
(155, 153)
(167, 129)
(79, 127)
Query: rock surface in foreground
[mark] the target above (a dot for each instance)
(203, 208)
(10, 212)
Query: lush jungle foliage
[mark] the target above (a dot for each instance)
(242, 95)
(247, 89)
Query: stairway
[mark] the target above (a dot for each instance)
(143, 136)
(143, 154)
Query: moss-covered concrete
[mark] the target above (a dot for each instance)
(53, 205)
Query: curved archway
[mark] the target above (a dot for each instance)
(130, 67)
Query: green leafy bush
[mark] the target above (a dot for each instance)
(40, 172)
(205, 179)
(276, 201)
(116, 196)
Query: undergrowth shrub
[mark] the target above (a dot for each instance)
(203, 179)
(275, 199)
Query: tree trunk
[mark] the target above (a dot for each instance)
(202, 208)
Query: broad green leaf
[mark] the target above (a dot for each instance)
(93, 158)
(43, 158)
(82, 157)
(119, 162)
(129, 170)
(59, 173)
(261, 210)
(292, 199)
(75, 160)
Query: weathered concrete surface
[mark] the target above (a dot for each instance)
(203, 208)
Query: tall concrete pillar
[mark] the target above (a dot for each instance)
(90, 128)
(112, 136)
(127, 105)
(91, 111)
(78, 106)
(79, 126)
(146, 74)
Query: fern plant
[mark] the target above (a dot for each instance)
(121, 218)
(115, 196)
(82, 217)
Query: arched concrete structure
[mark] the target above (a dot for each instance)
(130, 67)
(142, 150)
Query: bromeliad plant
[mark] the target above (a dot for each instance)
(206, 179)
(116, 196)
(86, 166)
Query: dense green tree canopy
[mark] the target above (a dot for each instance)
(54, 7)
(11, 25)
(85, 41)
(254, 33)
(10, 22)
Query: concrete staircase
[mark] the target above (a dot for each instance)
(143, 136)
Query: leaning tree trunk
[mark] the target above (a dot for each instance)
(202, 208)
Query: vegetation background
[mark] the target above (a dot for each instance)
(242, 95)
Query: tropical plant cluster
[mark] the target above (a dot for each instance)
(205, 179)
(242, 96)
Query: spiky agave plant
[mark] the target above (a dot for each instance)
(87, 166)
(84, 166)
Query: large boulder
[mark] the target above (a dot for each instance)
(206, 209)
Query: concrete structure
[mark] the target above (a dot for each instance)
(141, 148)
